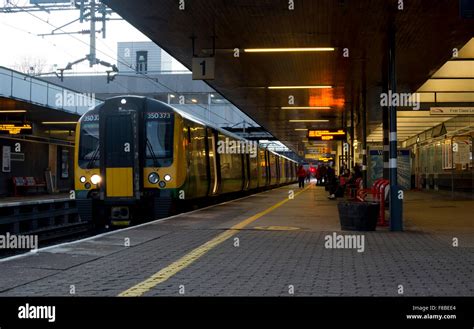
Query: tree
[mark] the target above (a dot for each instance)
(30, 65)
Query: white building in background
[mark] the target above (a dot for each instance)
(142, 57)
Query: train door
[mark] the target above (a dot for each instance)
(267, 162)
(119, 152)
(279, 170)
(246, 171)
(212, 162)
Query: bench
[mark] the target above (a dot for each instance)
(376, 193)
(26, 183)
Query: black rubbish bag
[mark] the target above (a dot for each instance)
(358, 216)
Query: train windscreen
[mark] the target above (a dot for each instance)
(89, 145)
(159, 134)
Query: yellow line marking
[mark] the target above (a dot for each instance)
(166, 273)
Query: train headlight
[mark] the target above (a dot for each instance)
(167, 177)
(82, 179)
(95, 179)
(162, 184)
(153, 178)
(87, 185)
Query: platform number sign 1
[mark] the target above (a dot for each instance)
(203, 68)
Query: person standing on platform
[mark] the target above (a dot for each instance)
(301, 176)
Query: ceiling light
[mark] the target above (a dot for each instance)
(13, 111)
(300, 87)
(306, 107)
(59, 122)
(301, 129)
(172, 96)
(194, 100)
(308, 120)
(281, 50)
(59, 131)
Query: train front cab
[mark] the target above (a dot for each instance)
(131, 150)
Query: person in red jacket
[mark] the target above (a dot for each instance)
(301, 176)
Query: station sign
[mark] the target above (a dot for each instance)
(327, 135)
(317, 150)
(203, 68)
(326, 159)
(458, 110)
(12, 128)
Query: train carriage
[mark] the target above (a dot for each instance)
(137, 158)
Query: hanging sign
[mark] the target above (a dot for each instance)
(327, 135)
(11, 128)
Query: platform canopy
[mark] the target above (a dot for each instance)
(352, 41)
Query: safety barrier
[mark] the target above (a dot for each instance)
(378, 192)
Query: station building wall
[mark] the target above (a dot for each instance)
(37, 159)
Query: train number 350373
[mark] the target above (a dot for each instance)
(158, 115)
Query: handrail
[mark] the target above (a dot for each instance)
(42, 92)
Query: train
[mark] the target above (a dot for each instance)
(138, 158)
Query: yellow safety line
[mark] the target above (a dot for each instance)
(166, 273)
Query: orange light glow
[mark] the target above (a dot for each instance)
(325, 97)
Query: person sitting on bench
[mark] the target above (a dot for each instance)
(337, 190)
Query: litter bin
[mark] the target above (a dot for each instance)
(358, 216)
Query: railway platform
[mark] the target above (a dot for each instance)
(14, 201)
(266, 244)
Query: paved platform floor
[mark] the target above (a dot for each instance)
(260, 245)
(32, 199)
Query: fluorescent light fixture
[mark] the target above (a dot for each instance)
(172, 96)
(300, 87)
(285, 50)
(59, 131)
(308, 120)
(301, 129)
(306, 107)
(59, 122)
(13, 111)
(194, 100)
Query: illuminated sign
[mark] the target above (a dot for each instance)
(15, 128)
(325, 159)
(327, 135)
(452, 110)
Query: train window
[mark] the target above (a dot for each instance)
(160, 142)
(88, 145)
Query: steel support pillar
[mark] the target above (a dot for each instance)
(396, 194)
